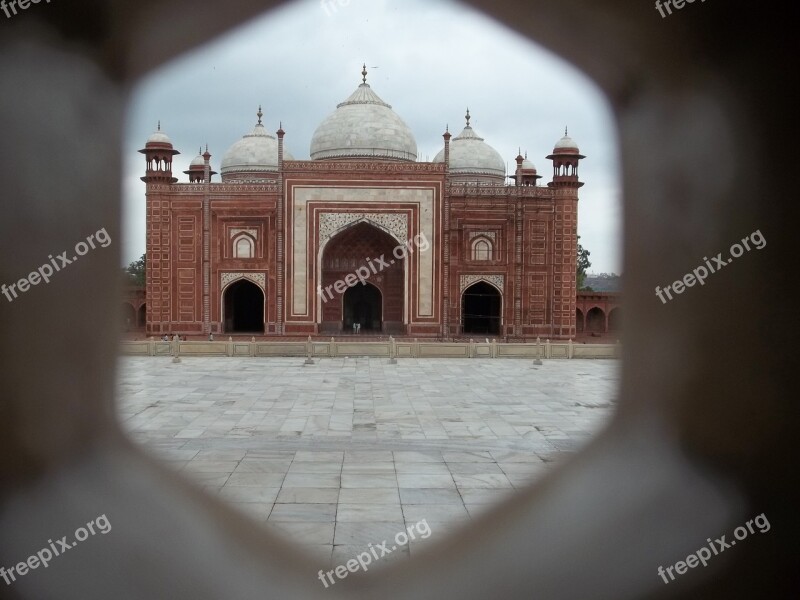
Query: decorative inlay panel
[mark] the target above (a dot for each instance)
(234, 232)
(379, 166)
(216, 188)
(460, 190)
(332, 223)
(260, 279)
(497, 280)
(492, 235)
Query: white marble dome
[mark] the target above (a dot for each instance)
(566, 143)
(198, 161)
(471, 155)
(364, 126)
(255, 153)
(159, 137)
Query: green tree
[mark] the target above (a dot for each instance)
(134, 273)
(583, 265)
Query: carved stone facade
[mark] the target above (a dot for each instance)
(532, 266)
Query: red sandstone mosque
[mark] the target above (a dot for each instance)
(362, 234)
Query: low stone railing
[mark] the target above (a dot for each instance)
(390, 348)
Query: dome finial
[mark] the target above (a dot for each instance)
(159, 124)
(259, 114)
(364, 73)
(566, 131)
(468, 117)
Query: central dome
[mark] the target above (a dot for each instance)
(364, 126)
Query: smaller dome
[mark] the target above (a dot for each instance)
(472, 157)
(528, 165)
(256, 152)
(198, 161)
(566, 143)
(159, 137)
(197, 168)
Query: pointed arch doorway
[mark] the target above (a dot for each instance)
(481, 309)
(243, 303)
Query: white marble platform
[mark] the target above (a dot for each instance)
(348, 452)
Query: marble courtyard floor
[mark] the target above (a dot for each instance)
(350, 451)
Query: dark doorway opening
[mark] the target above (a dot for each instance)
(362, 304)
(596, 321)
(481, 308)
(244, 308)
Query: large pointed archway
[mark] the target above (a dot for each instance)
(378, 298)
(481, 309)
(243, 304)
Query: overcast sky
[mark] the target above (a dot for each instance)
(429, 59)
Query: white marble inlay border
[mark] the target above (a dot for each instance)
(260, 279)
(234, 232)
(332, 223)
(497, 280)
(302, 273)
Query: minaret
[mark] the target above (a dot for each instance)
(518, 174)
(280, 249)
(565, 185)
(208, 173)
(566, 158)
(447, 137)
(281, 134)
(158, 153)
(446, 235)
